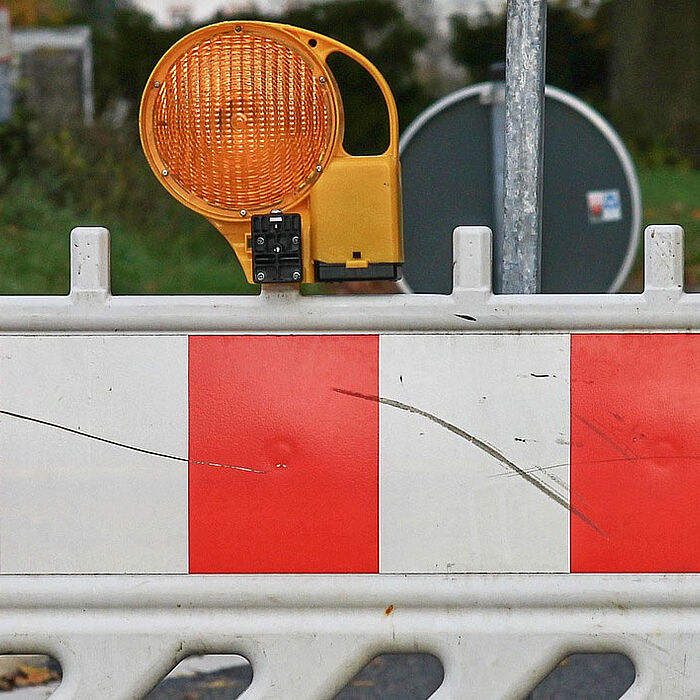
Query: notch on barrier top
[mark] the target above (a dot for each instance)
(89, 261)
(664, 258)
(472, 251)
(243, 123)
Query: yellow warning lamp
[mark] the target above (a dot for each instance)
(243, 123)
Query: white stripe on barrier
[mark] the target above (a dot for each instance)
(71, 504)
(445, 505)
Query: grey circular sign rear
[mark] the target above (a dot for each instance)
(591, 200)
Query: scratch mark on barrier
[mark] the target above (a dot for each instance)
(552, 477)
(646, 639)
(591, 425)
(611, 460)
(483, 446)
(133, 448)
(466, 317)
(545, 470)
(533, 470)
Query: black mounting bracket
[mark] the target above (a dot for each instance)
(276, 245)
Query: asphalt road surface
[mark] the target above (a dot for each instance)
(417, 676)
(387, 677)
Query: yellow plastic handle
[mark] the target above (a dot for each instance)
(325, 46)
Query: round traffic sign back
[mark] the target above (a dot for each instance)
(591, 199)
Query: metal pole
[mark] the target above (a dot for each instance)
(525, 68)
(497, 100)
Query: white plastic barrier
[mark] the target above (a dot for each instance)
(471, 307)
(446, 466)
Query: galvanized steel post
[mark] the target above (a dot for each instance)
(525, 70)
(497, 99)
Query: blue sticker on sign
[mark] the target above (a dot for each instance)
(603, 206)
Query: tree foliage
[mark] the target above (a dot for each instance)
(578, 45)
(655, 75)
(27, 13)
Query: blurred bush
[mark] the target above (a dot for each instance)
(55, 181)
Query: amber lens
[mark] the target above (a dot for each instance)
(241, 121)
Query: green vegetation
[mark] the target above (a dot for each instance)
(99, 178)
(176, 253)
(673, 197)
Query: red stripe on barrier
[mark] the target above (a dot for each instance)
(268, 403)
(635, 452)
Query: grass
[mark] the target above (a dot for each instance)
(166, 249)
(673, 197)
(178, 254)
